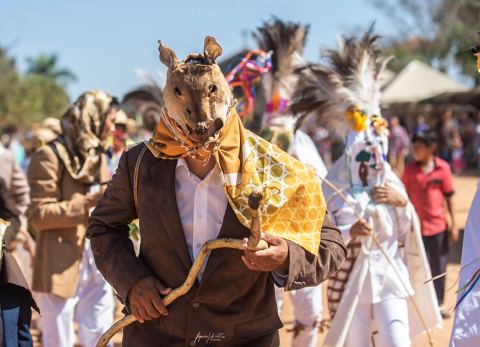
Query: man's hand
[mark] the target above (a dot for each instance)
(389, 196)
(453, 234)
(91, 200)
(145, 299)
(360, 228)
(273, 258)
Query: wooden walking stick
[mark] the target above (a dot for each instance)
(254, 243)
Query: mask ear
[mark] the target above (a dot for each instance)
(167, 55)
(211, 48)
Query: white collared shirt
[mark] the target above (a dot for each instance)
(201, 204)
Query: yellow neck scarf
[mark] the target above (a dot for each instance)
(293, 208)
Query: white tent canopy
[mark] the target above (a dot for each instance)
(418, 81)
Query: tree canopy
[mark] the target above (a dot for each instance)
(39, 93)
(438, 32)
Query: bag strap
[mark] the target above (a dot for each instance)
(54, 148)
(135, 177)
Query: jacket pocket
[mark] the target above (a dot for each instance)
(258, 327)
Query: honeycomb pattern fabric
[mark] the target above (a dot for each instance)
(293, 206)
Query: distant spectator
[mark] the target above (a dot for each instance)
(420, 125)
(14, 196)
(458, 162)
(468, 133)
(398, 146)
(429, 184)
(10, 139)
(119, 141)
(446, 131)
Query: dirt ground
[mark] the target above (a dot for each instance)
(440, 337)
(465, 187)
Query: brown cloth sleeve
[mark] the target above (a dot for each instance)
(11, 274)
(46, 211)
(108, 232)
(307, 270)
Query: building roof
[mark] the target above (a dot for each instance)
(418, 81)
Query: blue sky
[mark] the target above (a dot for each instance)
(104, 41)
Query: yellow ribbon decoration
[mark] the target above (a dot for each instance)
(357, 119)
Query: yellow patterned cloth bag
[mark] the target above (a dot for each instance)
(293, 207)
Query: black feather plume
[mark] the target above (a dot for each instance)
(283, 39)
(349, 76)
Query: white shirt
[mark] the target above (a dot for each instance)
(201, 204)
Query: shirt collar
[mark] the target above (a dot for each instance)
(182, 165)
(181, 162)
(435, 163)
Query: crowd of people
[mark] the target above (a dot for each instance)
(458, 135)
(458, 139)
(75, 191)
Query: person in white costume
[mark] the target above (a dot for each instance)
(370, 298)
(286, 40)
(466, 325)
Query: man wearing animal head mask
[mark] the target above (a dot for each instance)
(65, 177)
(189, 184)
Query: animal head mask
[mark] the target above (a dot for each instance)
(197, 96)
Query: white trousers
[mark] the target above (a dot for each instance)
(92, 308)
(384, 324)
(308, 309)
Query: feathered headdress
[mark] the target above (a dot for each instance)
(344, 92)
(344, 95)
(286, 41)
(283, 39)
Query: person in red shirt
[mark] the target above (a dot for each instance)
(429, 184)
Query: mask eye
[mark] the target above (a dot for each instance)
(177, 91)
(213, 88)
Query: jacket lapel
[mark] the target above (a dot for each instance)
(163, 182)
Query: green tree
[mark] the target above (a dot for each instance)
(45, 65)
(407, 50)
(438, 32)
(26, 99)
(8, 81)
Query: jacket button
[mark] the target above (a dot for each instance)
(196, 305)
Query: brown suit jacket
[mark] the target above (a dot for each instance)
(58, 217)
(234, 304)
